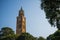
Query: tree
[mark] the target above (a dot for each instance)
(25, 36)
(54, 36)
(41, 38)
(52, 11)
(7, 33)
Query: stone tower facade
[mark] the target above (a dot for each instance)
(21, 22)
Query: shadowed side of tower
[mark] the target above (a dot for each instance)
(21, 22)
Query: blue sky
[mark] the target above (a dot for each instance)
(36, 23)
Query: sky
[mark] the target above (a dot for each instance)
(36, 23)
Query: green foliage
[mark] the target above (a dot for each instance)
(55, 36)
(7, 33)
(52, 11)
(26, 36)
(41, 38)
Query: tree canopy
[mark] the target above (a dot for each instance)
(52, 11)
(54, 36)
(7, 33)
(26, 36)
(41, 38)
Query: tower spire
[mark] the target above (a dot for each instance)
(21, 12)
(21, 8)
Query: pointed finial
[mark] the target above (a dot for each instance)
(21, 8)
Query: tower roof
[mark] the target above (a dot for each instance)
(21, 11)
(21, 8)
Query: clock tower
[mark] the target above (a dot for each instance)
(21, 22)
